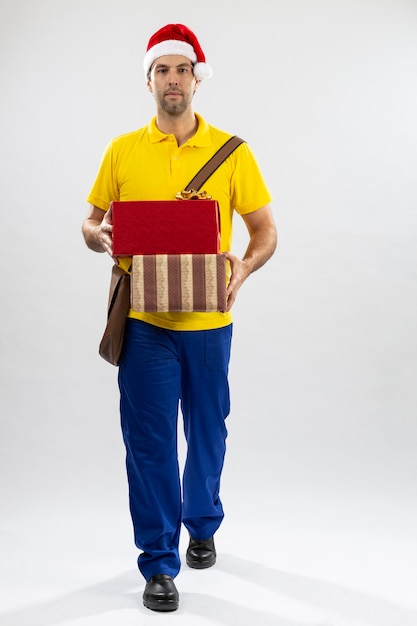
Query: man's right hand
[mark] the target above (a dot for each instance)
(98, 229)
(105, 231)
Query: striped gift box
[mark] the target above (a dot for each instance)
(178, 282)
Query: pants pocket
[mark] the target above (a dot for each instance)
(218, 344)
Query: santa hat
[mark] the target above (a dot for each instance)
(177, 39)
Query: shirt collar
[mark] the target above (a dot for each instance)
(201, 139)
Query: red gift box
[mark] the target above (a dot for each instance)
(166, 227)
(178, 282)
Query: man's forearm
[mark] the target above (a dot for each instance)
(262, 238)
(261, 247)
(262, 244)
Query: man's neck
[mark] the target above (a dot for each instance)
(182, 126)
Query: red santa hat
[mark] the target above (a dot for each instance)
(177, 39)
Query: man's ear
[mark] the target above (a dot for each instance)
(148, 85)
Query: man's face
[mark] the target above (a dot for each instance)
(172, 83)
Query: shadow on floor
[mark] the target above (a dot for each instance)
(116, 595)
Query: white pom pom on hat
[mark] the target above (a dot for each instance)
(177, 39)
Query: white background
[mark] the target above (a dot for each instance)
(319, 485)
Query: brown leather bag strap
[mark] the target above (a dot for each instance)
(212, 164)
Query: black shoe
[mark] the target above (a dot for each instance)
(201, 554)
(161, 594)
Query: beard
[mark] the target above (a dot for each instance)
(175, 108)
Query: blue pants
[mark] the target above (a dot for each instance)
(160, 370)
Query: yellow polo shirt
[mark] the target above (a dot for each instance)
(146, 164)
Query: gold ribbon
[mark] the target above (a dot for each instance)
(191, 194)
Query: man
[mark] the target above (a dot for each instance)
(172, 358)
